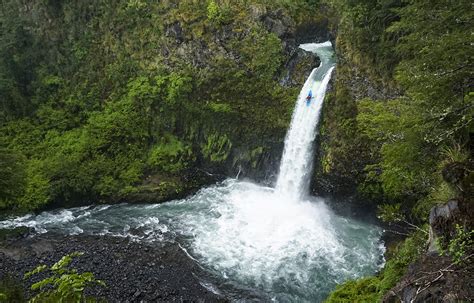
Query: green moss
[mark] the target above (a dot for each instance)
(170, 155)
(364, 290)
(340, 138)
(217, 147)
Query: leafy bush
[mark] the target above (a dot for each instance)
(12, 177)
(63, 284)
(213, 12)
(460, 244)
(364, 290)
(170, 155)
(390, 212)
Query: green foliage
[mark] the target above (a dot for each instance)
(407, 251)
(362, 38)
(11, 290)
(417, 54)
(17, 62)
(217, 148)
(214, 13)
(341, 139)
(356, 291)
(64, 284)
(38, 187)
(407, 163)
(454, 153)
(460, 244)
(390, 212)
(405, 44)
(220, 107)
(435, 70)
(261, 52)
(12, 176)
(97, 94)
(170, 155)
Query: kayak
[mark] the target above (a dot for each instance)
(308, 99)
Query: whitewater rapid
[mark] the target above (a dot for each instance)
(247, 236)
(277, 242)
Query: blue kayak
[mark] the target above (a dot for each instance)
(309, 97)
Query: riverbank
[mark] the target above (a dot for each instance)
(132, 272)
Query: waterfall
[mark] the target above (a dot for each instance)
(296, 162)
(248, 236)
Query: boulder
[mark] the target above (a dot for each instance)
(175, 31)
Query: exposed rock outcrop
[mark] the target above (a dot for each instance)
(442, 220)
(436, 276)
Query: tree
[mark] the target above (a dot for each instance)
(12, 177)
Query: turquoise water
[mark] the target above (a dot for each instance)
(277, 243)
(243, 234)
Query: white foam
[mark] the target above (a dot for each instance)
(278, 241)
(253, 234)
(296, 163)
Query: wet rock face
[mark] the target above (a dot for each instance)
(361, 86)
(299, 67)
(183, 185)
(315, 31)
(442, 219)
(279, 24)
(444, 212)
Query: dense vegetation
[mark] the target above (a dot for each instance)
(101, 100)
(97, 96)
(425, 120)
(410, 124)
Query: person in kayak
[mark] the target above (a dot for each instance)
(309, 97)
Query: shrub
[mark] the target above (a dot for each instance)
(460, 244)
(63, 284)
